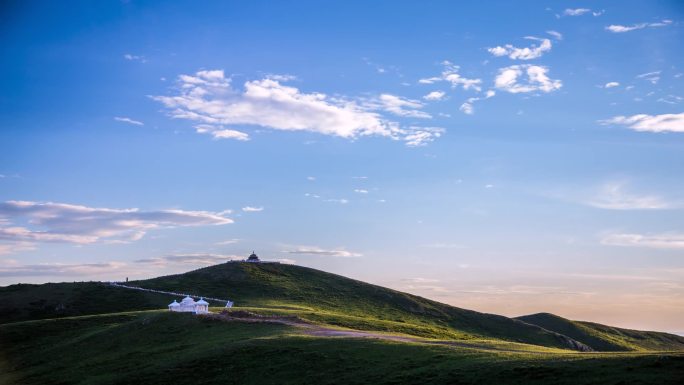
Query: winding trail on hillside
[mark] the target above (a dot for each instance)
(329, 332)
(116, 284)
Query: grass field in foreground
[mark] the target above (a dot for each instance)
(157, 347)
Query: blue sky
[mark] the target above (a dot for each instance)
(508, 157)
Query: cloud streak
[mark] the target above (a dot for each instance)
(655, 241)
(649, 123)
(617, 28)
(451, 75)
(129, 121)
(68, 223)
(526, 53)
(313, 250)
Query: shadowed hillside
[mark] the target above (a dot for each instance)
(606, 338)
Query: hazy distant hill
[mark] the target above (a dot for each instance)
(606, 338)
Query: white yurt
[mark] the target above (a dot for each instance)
(188, 305)
(174, 306)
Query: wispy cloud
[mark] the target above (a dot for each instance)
(336, 200)
(402, 107)
(613, 196)
(649, 123)
(251, 209)
(526, 53)
(652, 77)
(59, 269)
(656, 241)
(576, 11)
(61, 222)
(137, 58)
(435, 95)
(611, 85)
(228, 242)
(313, 250)
(360, 191)
(128, 120)
(209, 99)
(557, 35)
(190, 259)
(617, 28)
(468, 106)
(508, 79)
(451, 75)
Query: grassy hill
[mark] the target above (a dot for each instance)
(606, 338)
(94, 333)
(324, 298)
(51, 300)
(333, 299)
(158, 347)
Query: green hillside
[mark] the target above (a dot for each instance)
(606, 338)
(51, 300)
(333, 299)
(158, 347)
(322, 298)
(95, 333)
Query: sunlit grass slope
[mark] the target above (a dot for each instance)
(348, 302)
(606, 338)
(157, 347)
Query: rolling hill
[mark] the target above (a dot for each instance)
(96, 333)
(308, 293)
(606, 338)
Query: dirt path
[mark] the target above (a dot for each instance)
(322, 331)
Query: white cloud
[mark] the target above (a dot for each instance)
(557, 35)
(616, 28)
(342, 201)
(671, 99)
(402, 107)
(611, 85)
(613, 196)
(537, 80)
(575, 11)
(652, 77)
(209, 98)
(527, 53)
(190, 259)
(313, 250)
(228, 242)
(421, 136)
(286, 261)
(60, 222)
(60, 269)
(311, 178)
(360, 191)
(137, 58)
(435, 95)
(649, 123)
(450, 74)
(656, 241)
(128, 120)
(252, 209)
(218, 132)
(467, 106)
